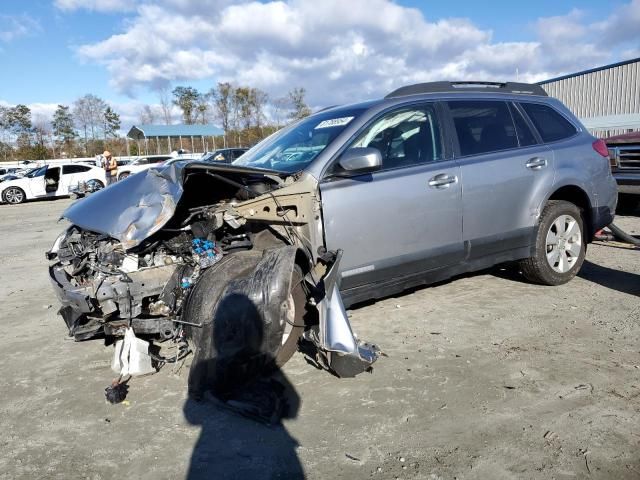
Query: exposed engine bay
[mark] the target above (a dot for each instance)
(174, 253)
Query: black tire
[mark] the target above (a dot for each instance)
(123, 175)
(538, 268)
(230, 348)
(13, 195)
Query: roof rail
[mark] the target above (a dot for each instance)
(447, 87)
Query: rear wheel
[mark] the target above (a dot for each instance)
(98, 185)
(560, 245)
(123, 175)
(14, 195)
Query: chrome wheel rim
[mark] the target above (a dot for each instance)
(14, 195)
(564, 243)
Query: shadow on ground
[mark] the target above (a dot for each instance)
(237, 394)
(619, 280)
(231, 446)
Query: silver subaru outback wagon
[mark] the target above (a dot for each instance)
(352, 203)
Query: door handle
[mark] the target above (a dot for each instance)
(536, 163)
(442, 180)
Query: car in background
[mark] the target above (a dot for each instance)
(624, 155)
(49, 181)
(224, 155)
(140, 164)
(13, 171)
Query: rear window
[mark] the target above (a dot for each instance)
(550, 124)
(483, 126)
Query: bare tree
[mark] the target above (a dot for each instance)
(258, 100)
(222, 98)
(147, 115)
(300, 109)
(202, 108)
(164, 95)
(88, 114)
(281, 107)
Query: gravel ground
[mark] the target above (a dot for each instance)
(486, 377)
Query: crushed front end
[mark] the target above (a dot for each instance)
(162, 252)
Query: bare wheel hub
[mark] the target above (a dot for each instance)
(288, 316)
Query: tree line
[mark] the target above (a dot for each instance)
(90, 125)
(80, 130)
(246, 114)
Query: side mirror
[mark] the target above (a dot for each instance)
(361, 160)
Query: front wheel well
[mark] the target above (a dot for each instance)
(577, 196)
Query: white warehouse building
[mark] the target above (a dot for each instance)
(606, 99)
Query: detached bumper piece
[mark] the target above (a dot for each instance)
(339, 350)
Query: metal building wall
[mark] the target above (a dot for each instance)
(610, 91)
(605, 92)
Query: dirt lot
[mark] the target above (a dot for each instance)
(486, 377)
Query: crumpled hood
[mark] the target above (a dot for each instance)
(132, 209)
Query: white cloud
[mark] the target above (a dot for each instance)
(97, 5)
(622, 26)
(340, 51)
(16, 26)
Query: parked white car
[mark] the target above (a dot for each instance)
(140, 164)
(49, 181)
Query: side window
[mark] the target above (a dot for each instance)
(483, 126)
(525, 135)
(550, 124)
(405, 137)
(69, 169)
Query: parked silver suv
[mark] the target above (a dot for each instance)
(432, 181)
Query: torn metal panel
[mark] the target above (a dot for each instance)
(343, 353)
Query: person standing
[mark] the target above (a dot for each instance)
(110, 167)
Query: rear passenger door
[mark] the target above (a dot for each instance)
(71, 175)
(405, 218)
(505, 172)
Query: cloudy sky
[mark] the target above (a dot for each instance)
(53, 51)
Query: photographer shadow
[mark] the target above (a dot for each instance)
(232, 383)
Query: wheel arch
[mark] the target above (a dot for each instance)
(576, 195)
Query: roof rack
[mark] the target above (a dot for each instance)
(447, 87)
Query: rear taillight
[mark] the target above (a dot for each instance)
(601, 147)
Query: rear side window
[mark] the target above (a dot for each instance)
(483, 126)
(68, 169)
(550, 124)
(525, 135)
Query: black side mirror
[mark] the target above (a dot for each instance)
(361, 160)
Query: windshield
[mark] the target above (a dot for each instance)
(36, 172)
(293, 148)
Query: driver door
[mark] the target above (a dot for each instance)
(404, 219)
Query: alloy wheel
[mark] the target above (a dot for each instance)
(14, 195)
(564, 243)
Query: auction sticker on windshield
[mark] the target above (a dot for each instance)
(334, 122)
